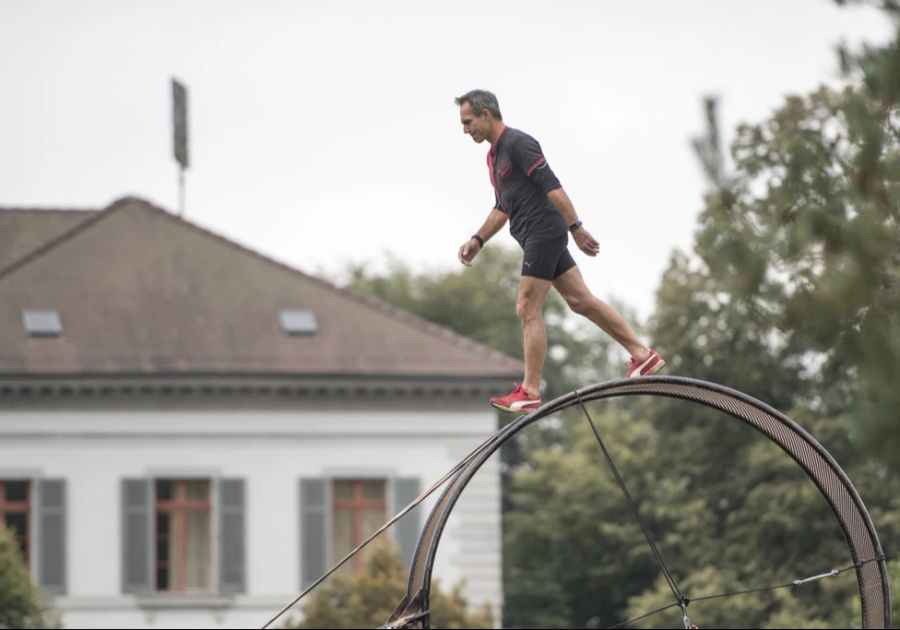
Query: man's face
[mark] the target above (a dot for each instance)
(475, 125)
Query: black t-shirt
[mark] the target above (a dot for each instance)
(522, 178)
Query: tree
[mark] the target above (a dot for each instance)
(480, 302)
(21, 604)
(367, 600)
(894, 572)
(792, 295)
(571, 551)
(806, 230)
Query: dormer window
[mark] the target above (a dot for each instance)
(298, 322)
(42, 323)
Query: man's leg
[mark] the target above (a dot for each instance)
(529, 307)
(575, 292)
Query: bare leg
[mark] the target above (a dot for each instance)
(575, 292)
(529, 308)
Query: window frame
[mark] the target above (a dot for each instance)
(356, 504)
(178, 507)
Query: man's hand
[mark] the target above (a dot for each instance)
(586, 243)
(468, 251)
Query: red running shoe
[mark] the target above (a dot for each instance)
(517, 401)
(650, 364)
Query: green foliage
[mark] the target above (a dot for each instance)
(792, 295)
(728, 509)
(894, 577)
(367, 600)
(21, 604)
(571, 551)
(480, 303)
(805, 233)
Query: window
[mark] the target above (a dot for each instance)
(298, 322)
(359, 508)
(15, 511)
(337, 514)
(42, 323)
(183, 535)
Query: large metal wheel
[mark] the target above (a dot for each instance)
(835, 486)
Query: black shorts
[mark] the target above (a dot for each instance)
(547, 259)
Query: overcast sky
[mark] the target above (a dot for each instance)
(325, 133)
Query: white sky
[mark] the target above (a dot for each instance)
(324, 133)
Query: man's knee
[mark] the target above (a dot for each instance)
(578, 301)
(528, 308)
(523, 309)
(581, 304)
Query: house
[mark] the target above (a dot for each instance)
(192, 432)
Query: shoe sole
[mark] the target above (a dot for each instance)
(656, 367)
(521, 410)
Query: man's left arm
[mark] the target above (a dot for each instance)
(560, 200)
(527, 153)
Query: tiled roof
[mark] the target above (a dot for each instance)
(23, 230)
(141, 291)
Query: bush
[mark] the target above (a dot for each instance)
(368, 599)
(21, 604)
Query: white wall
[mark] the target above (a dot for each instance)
(271, 448)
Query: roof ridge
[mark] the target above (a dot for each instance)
(423, 324)
(420, 322)
(42, 249)
(46, 210)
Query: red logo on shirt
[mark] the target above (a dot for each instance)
(505, 168)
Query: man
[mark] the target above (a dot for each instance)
(540, 215)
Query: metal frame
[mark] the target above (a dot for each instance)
(848, 508)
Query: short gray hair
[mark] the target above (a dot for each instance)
(479, 100)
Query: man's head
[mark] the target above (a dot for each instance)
(480, 115)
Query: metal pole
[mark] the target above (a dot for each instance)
(181, 191)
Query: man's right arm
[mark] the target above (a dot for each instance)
(493, 224)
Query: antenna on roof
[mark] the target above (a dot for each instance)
(180, 128)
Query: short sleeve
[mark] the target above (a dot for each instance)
(498, 205)
(528, 157)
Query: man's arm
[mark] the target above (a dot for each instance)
(494, 222)
(560, 200)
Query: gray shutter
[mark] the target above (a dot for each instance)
(231, 536)
(136, 536)
(313, 530)
(51, 532)
(406, 530)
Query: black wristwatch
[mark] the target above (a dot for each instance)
(575, 226)
(479, 239)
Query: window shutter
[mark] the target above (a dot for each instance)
(232, 534)
(136, 536)
(406, 530)
(51, 532)
(314, 535)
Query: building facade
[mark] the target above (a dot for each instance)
(191, 432)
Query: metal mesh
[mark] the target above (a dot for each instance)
(822, 469)
(802, 447)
